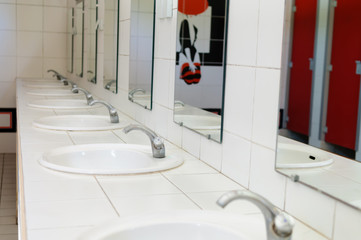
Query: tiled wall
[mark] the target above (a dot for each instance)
(32, 37)
(247, 154)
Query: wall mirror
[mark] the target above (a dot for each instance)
(200, 66)
(319, 135)
(92, 41)
(141, 52)
(79, 38)
(111, 29)
(70, 40)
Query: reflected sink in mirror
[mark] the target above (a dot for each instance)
(105, 159)
(298, 156)
(180, 225)
(55, 92)
(66, 104)
(78, 123)
(199, 122)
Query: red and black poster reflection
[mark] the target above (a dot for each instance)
(200, 40)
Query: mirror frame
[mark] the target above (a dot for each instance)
(225, 48)
(81, 74)
(96, 43)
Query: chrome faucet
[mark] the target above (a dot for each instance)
(88, 96)
(109, 84)
(56, 74)
(157, 144)
(114, 118)
(279, 225)
(65, 81)
(133, 91)
(178, 102)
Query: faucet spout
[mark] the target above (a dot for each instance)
(109, 84)
(133, 91)
(157, 144)
(88, 96)
(114, 118)
(279, 225)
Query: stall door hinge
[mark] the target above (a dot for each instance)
(358, 67)
(312, 64)
(334, 3)
(329, 68)
(294, 8)
(290, 64)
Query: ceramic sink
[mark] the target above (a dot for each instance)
(51, 92)
(180, 225)
(61, 104)
(105, 159)
(297, 156)
(78, 123)
(199, 122)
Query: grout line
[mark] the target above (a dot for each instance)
(110, 201)
(185, 194)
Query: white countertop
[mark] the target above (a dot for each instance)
(61, 206)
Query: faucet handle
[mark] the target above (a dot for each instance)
(283, 224)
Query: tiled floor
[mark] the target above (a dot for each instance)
(8, 226)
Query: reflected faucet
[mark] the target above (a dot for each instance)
(56, 74)
(109, 84)
(88, 96)
(157, 144)
(133, 91)
(178, 102)
(279, 225)
(112, 111)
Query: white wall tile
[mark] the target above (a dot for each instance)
(124, 37)
(30, 44)
(311, 207)
(8, 43)
(165, 44)
(191, 142)
(265, 112)
(55, 19)
(162, 72)
(270, 33)
(236, 158)
(239, 100)
(264, 179)
(242, 32)
(60, 3)
(211, 153)
(174, 131)
(7, 69)
(29, 18)
(30, 67)
(347, 222)
(7, 94)
(32, 2)
(123, 72)
(7, 17)
(54, 45)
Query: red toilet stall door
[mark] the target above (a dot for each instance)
(301, 76)
(344, 85)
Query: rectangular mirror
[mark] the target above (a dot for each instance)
(92, 41)
(79, 38)
(70, 40)
(111, 30)
(200, 66)
(319, 136)
(141, 52)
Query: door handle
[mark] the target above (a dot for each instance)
(358, 67)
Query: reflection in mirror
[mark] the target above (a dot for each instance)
(200, 66)
(318, 141)
(78, 38)
(92, 41)
(111, 45)
(70, 40)
(141, 52)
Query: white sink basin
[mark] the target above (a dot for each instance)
(52, 84)
(181, 225)
(47, 86)
(297, 156)
(54, 92)
(78, 123)
(107, 159)
(61, 104)
(199, 122)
